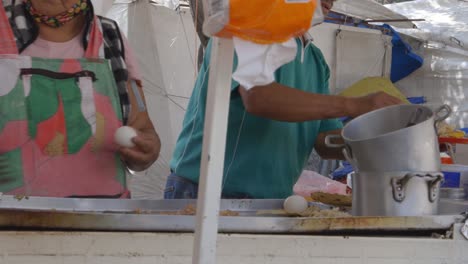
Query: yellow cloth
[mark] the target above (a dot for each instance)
(372, 85)
(446, 130)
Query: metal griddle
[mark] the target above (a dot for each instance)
(151, 215)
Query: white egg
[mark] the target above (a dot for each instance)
(295, 204)
(123, 136)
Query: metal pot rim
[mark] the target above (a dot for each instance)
(395, 173)
(431, 117)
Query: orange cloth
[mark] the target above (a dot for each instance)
(268, 21)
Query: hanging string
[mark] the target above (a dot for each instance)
(196, 36)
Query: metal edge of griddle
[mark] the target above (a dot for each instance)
(50, 220)
(125, 205)
(129, 205)
(141, 215)
(88, 204)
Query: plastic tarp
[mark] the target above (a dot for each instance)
(369, 9)
(404, 60)
(443, 78)
(445, 20)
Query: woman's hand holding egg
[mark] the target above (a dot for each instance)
(138, 149)
(124, 136)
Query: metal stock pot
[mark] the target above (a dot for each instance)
(396, 193)
(395, 138)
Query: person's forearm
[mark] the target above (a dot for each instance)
(149, 143)
(282, 103)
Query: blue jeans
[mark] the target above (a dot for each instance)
(180, 188)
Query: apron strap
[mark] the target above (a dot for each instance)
(95, 47)
(7, 39)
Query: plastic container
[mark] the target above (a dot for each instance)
(456, 176)
(452, 193)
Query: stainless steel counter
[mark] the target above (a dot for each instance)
(156, 215)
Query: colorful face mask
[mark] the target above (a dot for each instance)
(58, 20)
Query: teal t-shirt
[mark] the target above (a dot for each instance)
(264, 157)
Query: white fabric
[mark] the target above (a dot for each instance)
(88, 107)
(26, 79)
(10, 70)
(360, 55)
(258, 63)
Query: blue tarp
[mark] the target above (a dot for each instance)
(404, 60)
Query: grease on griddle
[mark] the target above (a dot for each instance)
(20, 197)
(187, 210)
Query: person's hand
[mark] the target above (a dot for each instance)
(147, 142)
(144, 153)
(361, 105)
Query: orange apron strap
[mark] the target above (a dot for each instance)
(7, 39)
(95, 47)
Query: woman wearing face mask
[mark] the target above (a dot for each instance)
(272, 128)
(69, 80)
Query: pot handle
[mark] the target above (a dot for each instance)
(441, 114)
(328, 141)
(399, 184)
(348, 154)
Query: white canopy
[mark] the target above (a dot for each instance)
(446, 20)
(370, 10)
(443, 79)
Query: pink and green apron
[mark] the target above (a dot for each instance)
(57, 121)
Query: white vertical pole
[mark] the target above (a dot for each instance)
(214, 145)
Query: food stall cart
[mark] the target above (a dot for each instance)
(57, 230)
(65, 230)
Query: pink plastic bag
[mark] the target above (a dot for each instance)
(311, 182)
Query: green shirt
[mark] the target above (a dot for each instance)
(264, 157)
